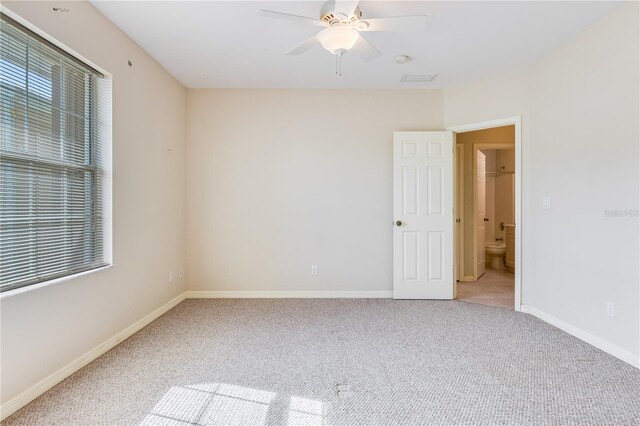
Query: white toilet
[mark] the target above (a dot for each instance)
(495, 252)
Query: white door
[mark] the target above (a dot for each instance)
(481, 186)
(423, 215)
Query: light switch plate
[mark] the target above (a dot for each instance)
(546, 203)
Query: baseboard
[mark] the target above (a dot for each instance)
(289, 294)
(596, 341)
(47, 383)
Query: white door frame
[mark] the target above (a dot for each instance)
(459, 205)
(517, 122)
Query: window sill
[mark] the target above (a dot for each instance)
(21, 290)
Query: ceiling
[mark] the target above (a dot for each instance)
(223, 44)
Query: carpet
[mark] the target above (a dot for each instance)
(344, 361)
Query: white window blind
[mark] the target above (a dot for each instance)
(51, 222)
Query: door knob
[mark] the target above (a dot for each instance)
(398, 223)
(486, 220)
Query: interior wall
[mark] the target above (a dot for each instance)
(505, 136)
(45, 329)
(580, 115)
(280, 180)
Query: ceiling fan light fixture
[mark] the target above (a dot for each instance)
(338, 39)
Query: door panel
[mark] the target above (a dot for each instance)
(423, 202)
(481, 196)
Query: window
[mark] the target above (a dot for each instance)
(51, 175)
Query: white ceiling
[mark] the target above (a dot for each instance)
(224, 44)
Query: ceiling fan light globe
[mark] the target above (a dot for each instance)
(336, 39)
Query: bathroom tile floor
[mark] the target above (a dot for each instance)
(494, 288)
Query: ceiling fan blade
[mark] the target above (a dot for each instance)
(303, 47)
(395, 23)
(289, 17)
(346, 7)
(365, 50)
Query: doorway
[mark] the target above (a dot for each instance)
(488, 169)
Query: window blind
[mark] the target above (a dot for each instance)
(51, 222)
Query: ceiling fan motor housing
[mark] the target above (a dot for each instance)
(328, 14)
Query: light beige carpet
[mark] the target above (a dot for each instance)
(351, 362)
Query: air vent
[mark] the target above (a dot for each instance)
(421, 78)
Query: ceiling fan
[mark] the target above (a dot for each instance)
(342, 21)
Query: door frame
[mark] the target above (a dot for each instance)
(459, 206)
(516, 121)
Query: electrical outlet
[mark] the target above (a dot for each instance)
(546, 203)
(170, 276)
(610, 309)
(314, 269)
(180, 273)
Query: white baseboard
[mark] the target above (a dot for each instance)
(596, 341)
(47, 383)
(289, 294)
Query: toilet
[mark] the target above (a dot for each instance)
(495, 252)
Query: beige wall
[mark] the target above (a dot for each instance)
(580, 114)
(280, 180)
(45, 329)
(504, 135)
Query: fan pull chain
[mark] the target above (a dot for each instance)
(339, 63)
